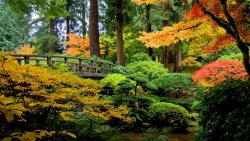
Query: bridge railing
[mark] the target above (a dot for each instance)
(83, 67)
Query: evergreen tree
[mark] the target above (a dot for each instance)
(14, 29)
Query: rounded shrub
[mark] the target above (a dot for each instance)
(120, 70)
(186, 103)
(141, 56)
(167, 114)
(112, 80)
(151, 69)
(125, 86)
(145, 101)
(177, 84)
(225, 112)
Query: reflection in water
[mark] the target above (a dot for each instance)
(171, 137)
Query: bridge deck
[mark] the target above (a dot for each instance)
(83, 67)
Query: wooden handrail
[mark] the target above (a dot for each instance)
(91, 68)
(52, 56)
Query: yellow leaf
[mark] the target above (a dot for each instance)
(9, 117)
(68, 133)
(7, 139)
(5, 100)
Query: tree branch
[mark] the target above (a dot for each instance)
(229, 17)
(220, 22)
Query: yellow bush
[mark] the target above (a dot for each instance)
(28, 90)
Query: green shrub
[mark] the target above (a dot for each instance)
(125, 86)
(232, 56)
(167, 114)
(225, 112)
(186, 103)
(175, 83)
(145, 101)
(213, 57)
(43, 44)
(151, 69)
(140, 80)
(141, 56)
(112, 80)
(120, 70)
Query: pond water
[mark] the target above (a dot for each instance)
(171, 137)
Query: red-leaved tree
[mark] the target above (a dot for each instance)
(219, 71)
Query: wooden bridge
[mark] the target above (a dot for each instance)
(83, 67)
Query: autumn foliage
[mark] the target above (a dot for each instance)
(148, 1)
(77, 45)
(236, 9)
(219, 71)
(31, 97)
(170, 35)
(26, 49)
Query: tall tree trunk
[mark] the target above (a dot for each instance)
(148, 28)
(120, 42)
(245, 51)
(165, 48)
(165, 56)
(177, 64)
(83, 17)
(67, 20)
(52, 32)
(94, 29)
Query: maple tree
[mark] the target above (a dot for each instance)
(77, 45)
(28, 92)
(230, 15)
(26, 49)
(170, 34)
(80, 46)
(219, 71)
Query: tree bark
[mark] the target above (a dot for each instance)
(120, 42)
(165, 48)
(165, 56)
(148, 28)
(68, 20)
(83, 17)
(94, 29)
(52, 32)
(245, 51)
(178, 59)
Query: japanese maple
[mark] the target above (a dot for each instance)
(231, 15)
(77, 45)
(219, 71)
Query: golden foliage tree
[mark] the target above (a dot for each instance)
(31, 97)
(170, 35)
(26, 49)
(77, 45)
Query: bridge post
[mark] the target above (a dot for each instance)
(26, 60)
(80, 65)
(19, 60)
(37, 63)
(49, 62)
(94, 65)
(111, 68)
(65, 60)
